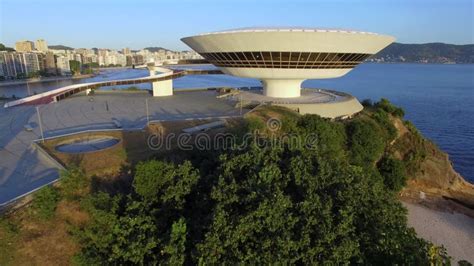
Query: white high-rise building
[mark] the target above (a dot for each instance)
(41, 45)
(126, 51)
(62, 63)
(24, 46)
(78, 57)
(121, 59)
(32, 62)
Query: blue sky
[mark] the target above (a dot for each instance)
(143, 23)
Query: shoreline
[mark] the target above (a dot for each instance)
(41, 80)
(57, 78)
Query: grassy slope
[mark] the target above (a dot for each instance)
(26, 239)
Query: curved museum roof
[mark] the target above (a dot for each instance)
(287, 29)
(283, 57)
(289, 39)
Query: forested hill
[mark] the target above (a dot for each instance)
(306, 191)
(155, 49)
(426, 53)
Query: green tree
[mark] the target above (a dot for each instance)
(164, 182)
(439, 256)
(327, 138)
(75, 67)
(393, 172)
(21, 76)
(45, 202)
(4, 48)
(262, 204)
(116, 235)
(91, 65)
(367, 103)
(388, 107)
(88, 70)
(280, 206)
(144, 227)
(366, 142)
(388, 130)
(254, 124)
(176, 248)
(273, 206)
(74, 183)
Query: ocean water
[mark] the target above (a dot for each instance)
(106, 74)
(438, 99)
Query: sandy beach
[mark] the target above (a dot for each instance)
(453, 230)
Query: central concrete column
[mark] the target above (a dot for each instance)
(161, 88)
(282, 88)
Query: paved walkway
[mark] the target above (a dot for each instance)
(65, 92)
(307, 97)
(23, 169)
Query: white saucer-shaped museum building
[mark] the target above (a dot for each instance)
(284, 57)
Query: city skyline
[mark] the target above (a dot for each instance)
(34, 59)
(116, 25)
(46, 46)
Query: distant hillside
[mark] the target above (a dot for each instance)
(4, 48)
(439, 53)
(155, 49)
(60, 47)
(426, 53)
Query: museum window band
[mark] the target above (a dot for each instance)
(299, 60)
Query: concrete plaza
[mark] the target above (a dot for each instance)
(24, 169)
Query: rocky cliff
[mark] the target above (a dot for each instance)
(433, 182)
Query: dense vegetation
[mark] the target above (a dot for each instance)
(75, 67)
(428, 53)
(5, 48)
(331, 200)
(45, 202)
(155, 49)
(60, 47)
